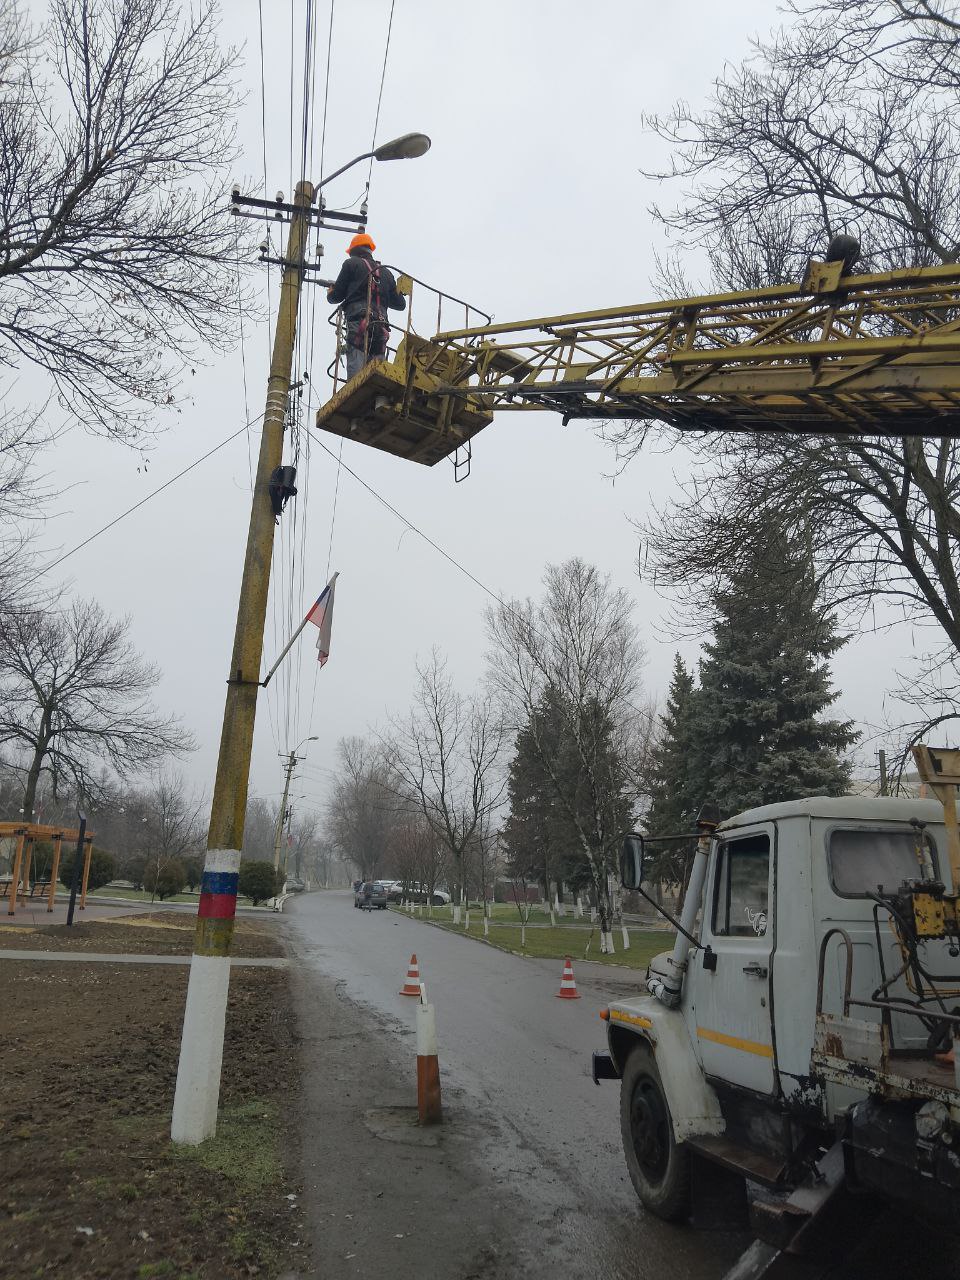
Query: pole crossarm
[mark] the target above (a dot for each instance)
(878, 355)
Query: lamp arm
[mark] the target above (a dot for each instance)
(343, 168)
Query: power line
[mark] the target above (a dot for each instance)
(143, 501)
(383, 76)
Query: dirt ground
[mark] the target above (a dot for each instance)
(159, 933)
(90, 1185)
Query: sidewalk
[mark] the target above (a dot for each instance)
(385, 1199)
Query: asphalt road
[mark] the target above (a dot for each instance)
(515, 1067)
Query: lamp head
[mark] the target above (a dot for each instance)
(407, 147)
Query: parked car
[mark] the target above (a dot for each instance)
(357, 886)
(294, 885)
(418, 893)
(371, 897)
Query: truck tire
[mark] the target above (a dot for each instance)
(659, 1166)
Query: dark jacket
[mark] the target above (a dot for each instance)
(352, 285)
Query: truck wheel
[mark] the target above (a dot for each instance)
(659, 1166)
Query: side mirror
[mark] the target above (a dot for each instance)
(631, 862)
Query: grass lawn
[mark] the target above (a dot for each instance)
(139, 895)
(142, 895)
(554, 943)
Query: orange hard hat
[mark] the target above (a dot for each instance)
(362, 241)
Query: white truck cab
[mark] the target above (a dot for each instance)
(801, 1033)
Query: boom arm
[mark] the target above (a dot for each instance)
(868, 355)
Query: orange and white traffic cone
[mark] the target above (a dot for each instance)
(412, 985)
(568, 986)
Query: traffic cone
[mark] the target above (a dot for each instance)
(568, 986)
(412, 985)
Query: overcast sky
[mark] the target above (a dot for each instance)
(529, 202)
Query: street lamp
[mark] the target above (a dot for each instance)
(409, 146)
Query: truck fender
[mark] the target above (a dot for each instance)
(694, 1106)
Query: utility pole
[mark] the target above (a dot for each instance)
(201, 1047)
(882, 756)
(288, 769)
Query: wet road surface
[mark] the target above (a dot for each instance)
(515, 1067)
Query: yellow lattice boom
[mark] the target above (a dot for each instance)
(866, 355)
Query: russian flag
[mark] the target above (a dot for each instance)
(321, 615)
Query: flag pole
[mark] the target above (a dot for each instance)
(290, 643)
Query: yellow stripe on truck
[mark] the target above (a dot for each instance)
(735, 1042)
(635, 1019)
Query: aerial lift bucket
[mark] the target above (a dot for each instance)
(394, 405)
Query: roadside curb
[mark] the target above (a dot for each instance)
(435, 924)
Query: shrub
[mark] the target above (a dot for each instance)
(134, 869)
(171, 878)
(102, 868)
(258, 881)
(193, 869)
(42, 862)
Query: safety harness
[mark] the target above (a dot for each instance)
(373, 332)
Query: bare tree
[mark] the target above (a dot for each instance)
(845, 120)
(578, 646)
(362, 807)
(74, 697)
(173, 825)
(117, 254)
(445, 760)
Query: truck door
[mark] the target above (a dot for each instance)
(732, 1001)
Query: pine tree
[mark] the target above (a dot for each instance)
(764, 688)
(675, 790)
(673, 795)
(555, 798)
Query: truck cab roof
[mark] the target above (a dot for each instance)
(842, 808)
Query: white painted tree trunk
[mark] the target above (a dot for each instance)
(523, 936)
(606, 944)
(466, 919)
(577, 909)
(553, 919)
(626, 937)
(456, 913)
(593, 915)
(486, 927)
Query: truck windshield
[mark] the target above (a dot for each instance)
(863, 860)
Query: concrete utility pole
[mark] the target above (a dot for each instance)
(291, 763)
(288, 769)
(201, 1048)
(884, 788)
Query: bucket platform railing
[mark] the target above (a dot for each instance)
(390, 403)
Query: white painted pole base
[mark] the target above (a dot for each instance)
(201, 1051)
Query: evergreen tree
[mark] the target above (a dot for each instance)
(764, 688)
(554, 796)
(675, 790)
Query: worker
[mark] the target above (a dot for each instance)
(365, 289)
